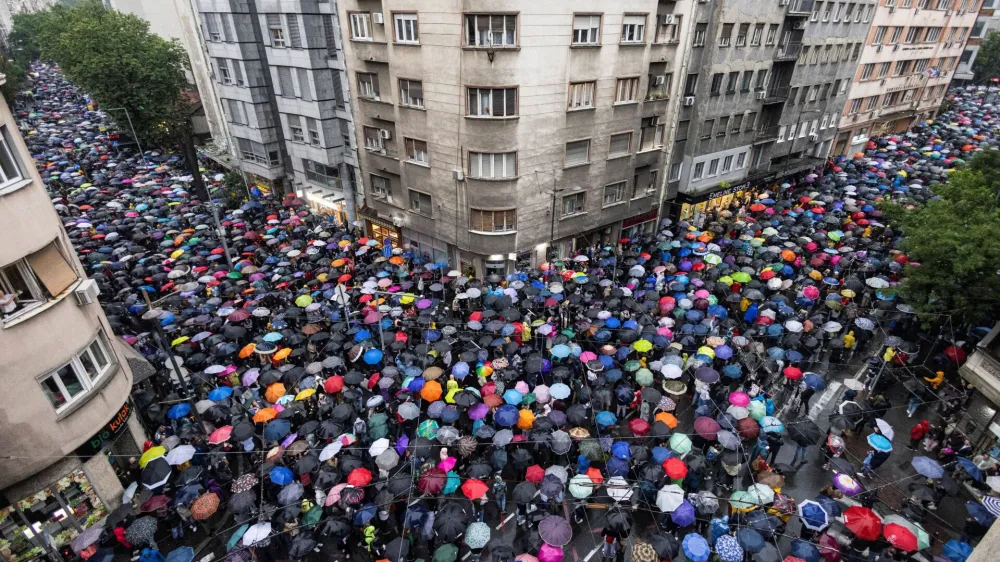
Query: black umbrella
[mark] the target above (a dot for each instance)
(665, 545)
(524, 493)
(619, 523)
(156, 473)
(805, 432)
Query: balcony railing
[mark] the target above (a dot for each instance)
(788, 51)
(801, 7)
(766, 133)
(777, 94)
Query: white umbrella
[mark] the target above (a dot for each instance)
(854, 384)
(669, 498)
(876, 283)
(581, 257)
(832, 327)
(180, 455)
(994, 483)
(885, 428)
(671, 371)
(330, 451)
(793, 326)
(618, 488)
(378, 447)
(134, 486)
(256, 533)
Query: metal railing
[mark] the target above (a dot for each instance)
(801, 7)
(776, 94)
(789, 51)
(765, 133)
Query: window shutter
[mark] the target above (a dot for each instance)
(328, 36)
(273, 20)
(620, 144)
(577, 152)
(52, 270)
(338, 89)
(238, 72)
(477, 220)
(285, 81)
(294, 33)
(304, 85)
(416, 89)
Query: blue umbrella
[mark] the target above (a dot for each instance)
(771, 424)
(684, 514)
(365, 514)
(805, 551)
(970, 468)
(661, 454)
(956, 551)
(606, 418)
(879, 442)
(373, 356)
(750, 540)
(617, 467)
(276, 429)
(813, 515)
(362, 335)
(506, 415)
(182, 554)
(978, 512)
(830, 505)
(460, 370)
(178, 411)
(723, 352)
(926, 466)
(512, 397)
(696, 548)
(621, 450)
(559, 391)
(282, 475)
(814, 381)
(728, 549)
(220, 393)
(560, 351)
(732, 371)
(272, 337)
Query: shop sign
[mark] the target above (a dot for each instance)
(639, 219)
(108, 433)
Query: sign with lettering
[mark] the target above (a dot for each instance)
(108, 433)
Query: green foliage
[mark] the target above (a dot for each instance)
(234, 190)
(987, 63)
(954, 241)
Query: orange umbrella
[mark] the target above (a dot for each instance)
(788, 255)
(282, 353)
(666, 418)
(396, 260)
(265, 414)
(431, 391)
(275, 391)
(247, 350)
(595, 475)
(526, 419)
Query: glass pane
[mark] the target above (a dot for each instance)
(18, 284)
(99, 357)
(88, 365)
(10, 171)
(70, 380)
(53, 392)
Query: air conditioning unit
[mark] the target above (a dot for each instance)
(386, 135)
(658, 80)
(668, 19)
(799, 25)
(86, 292)
(377, 18)
(761, 95)
(688, 100)
(458, 175)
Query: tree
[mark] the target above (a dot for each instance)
(954, 242)
(233, 189)
(987, 63)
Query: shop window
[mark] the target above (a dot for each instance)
(74, 380)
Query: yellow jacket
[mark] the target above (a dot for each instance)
(849, 340)
(936, 380)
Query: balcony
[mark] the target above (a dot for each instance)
(788, 52)
(776, 94)
(801, 7)
(765, 134)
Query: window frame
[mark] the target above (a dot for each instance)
(419, 210)
(512, 226)
(611, 140)
(314, 175)
(491, 89)
(476, 174)
(586, 161)
(355, 18)
(404, 96)
(405, 16)
(596, 42)
(639, 34)
(374, 85)
(620, 191)
(88, 384)
(489, 30)
(631, 84)
(8, 152)
(584, 86)
(381, 194)
(578, 209)
(407, 142)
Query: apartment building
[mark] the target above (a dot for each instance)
(987, 20)
(763, 87)
(496, 134)
(909, 58)
(279, 74)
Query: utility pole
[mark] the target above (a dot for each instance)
(191, 155)
(152, 317)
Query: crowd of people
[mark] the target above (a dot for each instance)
(320, 395)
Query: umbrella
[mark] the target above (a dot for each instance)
(257, 533)
(900, 537)
(813, 516)
(879, 442)
(86, 538)
(205, 506)
(555, 530)
(477, 535)
(155, 474)
(804, 551)
(696, 548)
(182, 554)
(805, 432)
(141, 530)
(644, 552)
(750, 540)
(728, 549)
(665, 545)
(926, 466)
(957, 551)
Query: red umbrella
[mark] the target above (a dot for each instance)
(333, 384)
(359, 477)
(474, 489)
(238, 315)
(595, 475)
(955, 353)
(863, 522)
(432, 481)
(675, 468)
(828, 548)
(206, 506)
(535, 474)
(748, 428)
(793, 373)
(154, 503)
(220, 435)
(638, 426)
(900, 537)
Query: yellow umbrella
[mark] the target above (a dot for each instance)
(282, 353)
(152, 453)
(305, 394)
(179, 341)
(176, 254)
(848, 293)
(705, 350)
(642, 346)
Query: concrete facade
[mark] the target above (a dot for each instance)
(279, 74)
(987, 20)
(536, 126)
(63, 376)
(909, 59)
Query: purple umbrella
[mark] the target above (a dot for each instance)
(424, 303)
(707, 427)
(847, 484)
(401, 444)
(250, 377)
(683, 515)
(723, 352)
(289, 440)
(479, 411)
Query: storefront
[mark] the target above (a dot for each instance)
(644, 223)
(264, 185)
(381, 229)
(328, 205)
(430, 249)
(729, 196)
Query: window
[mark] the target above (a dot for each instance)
(411, 92)
(368, 85)
(699, 171)
(793, 96)
(666, 32)
(747, 81)
(826, 119)
(727, 164)
(626, 90)
(621, 145)
(421, 203)
(894, 37)
(751, 120)
(825, 93)
(837, 11)
(581, 95)
(614, 193)
(713, 167)
(867, 71)
(675, 171)
(493, 166)
(699, 34)
(305, 85)
(586, 30)
(879, 35)
(294, 32)
(867, 14)
(812, 93)
(731, 81)
(651, 133)
(491, 30)
(741, 35)
(772, 34)
(573, 204)
(791, 132)
(492, 102)
(826, 11)
(329, 37)
(883, 69)
(225, 75)
(381, 188)
(295, 127)
(737, 124)
(781, 133)
(577, 152)
(253, 151)
(978, 29)
(416, 151)
(717, 83)
(10, 169)
(405, 26)
(741, 160)
(761, 78)
(706, 128)
(73, 380)
(235, 111)
(726, 35)
(212, 24)
(723, 126)
(911, 34)
(856, 51)
(285, 82)
(872, 103)
(815, 12)
(361, 26)
(758, 32)
(276, 30)
(373, 139)
(321, 173)
(492, 221)
(634, 29)
(659, 86)
(682, 130)
(691, 84)
(933, 34)
(848, 13)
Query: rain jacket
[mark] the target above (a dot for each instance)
(920, 430)
(849, 340)
(936, 380)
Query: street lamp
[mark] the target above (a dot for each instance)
(135, 137)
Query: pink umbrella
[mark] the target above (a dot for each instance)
(587, 356)
(522, 387)
(334, 496)
(549, 553)
(525, 558)
(701, 294)
(810, 292)
(741, 399)
(447, 464)
(542, 394)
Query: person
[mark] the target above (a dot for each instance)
(119, 532)
(913, 403)
(774, 443)
(936, 381)
(917, 433)
(151, 555)
(8, 303)
(804, 398)
(873, 460)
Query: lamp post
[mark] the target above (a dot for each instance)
(135, 137)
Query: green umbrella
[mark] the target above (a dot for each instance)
(741, 277)
(311, 517)
(742, 500)
(581, 486)
(235, 539)
(234, 275)
(757, 409)
(303, 301)
(427, 429)
(680, 443)
(642, 346)
(378, 419)
(376, 432)
(632, 366)
(591, 448)
(713, 259)
(529, 399)
(644, 377)
(446, 553)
